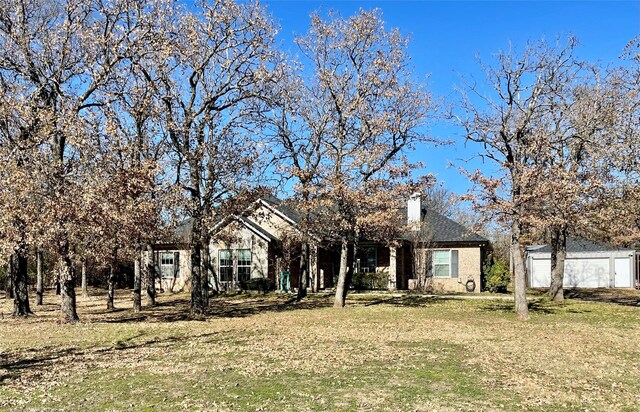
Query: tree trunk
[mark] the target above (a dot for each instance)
(85, 286)
(519, 278)
(304, 272)
(111, 283)
(342, 286)
(206, 264)
(39, 280)
(19, 280)
(150, 277)
(8, 283)
(66, 283)
(137, 280)
(558, 256)
(197, 303)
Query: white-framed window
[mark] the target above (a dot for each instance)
(226, 265)
(244, 264)
(168, 265)
(445, 263)
(442, 263)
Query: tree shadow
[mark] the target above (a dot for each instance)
(409, 301)
(536, 306)
(35, 361)
(222, 306)
(622, 297)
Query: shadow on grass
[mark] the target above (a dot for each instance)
(541, 306)
(223, 306)
(622, 297)
(14, 365)
(408, 301)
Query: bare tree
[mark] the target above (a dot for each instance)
(370, 111)
(508, 123)
(617, 218)
(441, 200)
(213, 63)
(74, 50)
(298, 123)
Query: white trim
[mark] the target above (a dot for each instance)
(220, 266)
(433, 264)
(220, 226)
(277, 212)
(286, 218)
(164, 267)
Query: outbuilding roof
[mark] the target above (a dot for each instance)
(577, 245)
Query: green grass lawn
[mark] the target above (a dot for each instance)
(380, 353)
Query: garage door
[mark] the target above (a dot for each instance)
(623, 273)
(578, 273)
(540, 273)
(586, 273)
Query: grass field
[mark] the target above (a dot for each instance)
(380, 353)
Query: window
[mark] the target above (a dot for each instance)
(244, 264)
(168, 263)
(235, 261)
(445, 263)
(226, 266)
(441, 263)
(367, 259)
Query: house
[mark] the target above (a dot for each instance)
(254, 245)
(171, 259)
(447, 254)
(588, 265)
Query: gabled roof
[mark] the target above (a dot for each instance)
(576, 245)
(441, 228)
(252, 226)
(182, 231)
(444, 230)
(283, 208)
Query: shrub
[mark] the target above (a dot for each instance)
(369, 281)
(497, 275)
(263, 285)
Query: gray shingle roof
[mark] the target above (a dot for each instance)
(441, 229)
(257, 228)
(578, 245)
(283, 208)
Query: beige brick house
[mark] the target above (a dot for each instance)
(436, 251)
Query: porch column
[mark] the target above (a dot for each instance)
(313, 267)
(391, 285)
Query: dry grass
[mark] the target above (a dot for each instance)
(380, 353)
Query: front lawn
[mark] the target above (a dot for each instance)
(267, 353)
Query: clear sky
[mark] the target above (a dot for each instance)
(446, 37)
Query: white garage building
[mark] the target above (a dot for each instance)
(588, 265)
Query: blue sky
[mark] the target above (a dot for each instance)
(446, 37)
